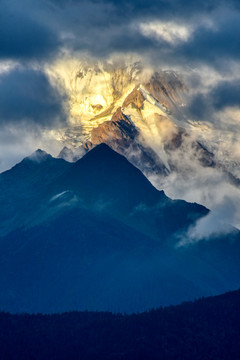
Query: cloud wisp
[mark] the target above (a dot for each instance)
(215, 224)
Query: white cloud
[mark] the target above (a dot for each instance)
(6, 66)
(216, 223)
(167, 31)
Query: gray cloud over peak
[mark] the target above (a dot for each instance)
(226, 94)
(40, 29)
(25, 33)
(26, 96)
(207, 105)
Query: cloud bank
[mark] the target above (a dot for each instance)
(26, 95)
(174, 31)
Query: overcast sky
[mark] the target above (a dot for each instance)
(202, 35)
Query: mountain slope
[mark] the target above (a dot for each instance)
(23, 183)
(81, 260)
(106, 181)
(78, 260)
(99, 236)
(104, 173)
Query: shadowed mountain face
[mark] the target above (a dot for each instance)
(104, 175)
(105, 181)
(21, 188)
(97, 235)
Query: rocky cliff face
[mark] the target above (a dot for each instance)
(136, 114)
(121, 106)
(119, 131)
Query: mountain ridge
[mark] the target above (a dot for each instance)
(97, 235)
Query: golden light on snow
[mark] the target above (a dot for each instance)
(93, 88)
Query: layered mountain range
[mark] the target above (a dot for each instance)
(97, 235)
(88, 230)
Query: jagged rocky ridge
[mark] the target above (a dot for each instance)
(122, 125)
(142, 116)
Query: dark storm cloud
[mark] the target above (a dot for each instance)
(39, 29)
(27, 96)
(141, 8)
(225, 94)
(24, 31)
(200, 108)
(214, 44)
(104, 27)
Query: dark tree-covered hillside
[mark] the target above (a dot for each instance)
(205, 329)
